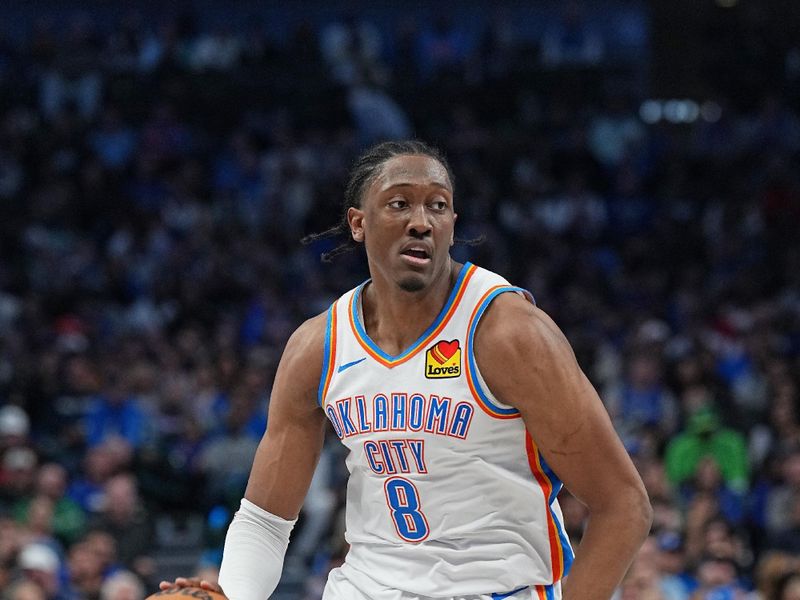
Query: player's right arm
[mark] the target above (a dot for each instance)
(281, 473)
(282, 470)
(289, 451)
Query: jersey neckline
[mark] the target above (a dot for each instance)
(388, 360)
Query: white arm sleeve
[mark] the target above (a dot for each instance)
(252, 560)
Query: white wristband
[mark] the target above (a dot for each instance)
(252, 560)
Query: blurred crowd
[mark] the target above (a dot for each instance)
(155, 180)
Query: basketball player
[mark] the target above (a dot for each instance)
(463, 409)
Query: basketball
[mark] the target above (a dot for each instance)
(186, 593)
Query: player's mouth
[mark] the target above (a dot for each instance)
(416, 255)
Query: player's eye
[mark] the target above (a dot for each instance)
(397, 203)
(438, 205)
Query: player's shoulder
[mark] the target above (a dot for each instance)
(300, 366)
(305, 347)
(512, 321)
(507, 309)
(309, 337)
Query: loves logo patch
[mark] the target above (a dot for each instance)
(443, 360)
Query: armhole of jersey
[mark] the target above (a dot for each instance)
(328, 357)
(480, 391)
(561, 553)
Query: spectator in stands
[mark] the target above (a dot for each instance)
(10, 542)
(73, 74)
(226, 459)
(104, 547)
(14, 427)
(122, 585)
(644, 581)
(789, 587)
(708, 480)
(40, 564)
(84, 572)
(773, 571)
(781, 432)
(782, 502)
(17, 475)
(642, 399)
(24, 589)
(99, 465)
(717, 578)
(786, 538)
(126, 520)
(705, 436)
(116, 413)
(675, 581)
(68, 519)
(37, 522)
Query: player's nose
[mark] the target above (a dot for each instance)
(419, 222)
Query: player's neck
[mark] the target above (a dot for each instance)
(394, 319)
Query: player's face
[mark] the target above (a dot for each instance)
(406, 222)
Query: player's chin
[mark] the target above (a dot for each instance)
(412, 283)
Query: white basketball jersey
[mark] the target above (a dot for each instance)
(448, 494)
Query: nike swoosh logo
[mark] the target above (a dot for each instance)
(350, 364)
(498, 596)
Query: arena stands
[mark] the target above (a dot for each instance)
(158, 170)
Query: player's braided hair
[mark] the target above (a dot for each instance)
(363, 173)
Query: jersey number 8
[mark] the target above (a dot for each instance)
(403, 500)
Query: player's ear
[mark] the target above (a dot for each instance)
(355, 217)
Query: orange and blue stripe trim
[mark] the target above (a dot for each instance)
(561, 554)
(545, 592)
(387, 360)
(329, 355)
(480, 395)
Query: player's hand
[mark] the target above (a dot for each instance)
(184, 582)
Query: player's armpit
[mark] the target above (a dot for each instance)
(289, 451)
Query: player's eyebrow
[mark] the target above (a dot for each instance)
(438, 184)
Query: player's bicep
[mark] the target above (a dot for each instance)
(288, 453)
(560, 407)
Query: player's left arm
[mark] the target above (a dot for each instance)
(527, 363)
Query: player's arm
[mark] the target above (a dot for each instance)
(280, 476)
(289, 451)
(282, 470)
(528, 363)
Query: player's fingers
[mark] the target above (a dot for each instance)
(213, 587)
(182, 582)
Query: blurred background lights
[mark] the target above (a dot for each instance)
(650, 111)
(711, 111)
(676, 111)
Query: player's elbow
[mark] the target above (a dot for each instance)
(629, 507)
(640, 511)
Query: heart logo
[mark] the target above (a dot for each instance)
(443, 351)
(443, 360)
